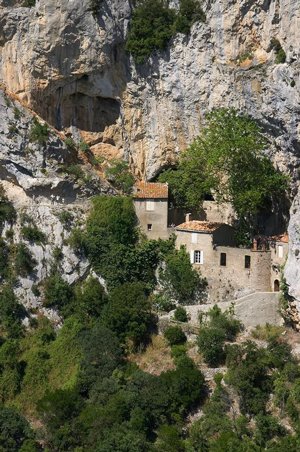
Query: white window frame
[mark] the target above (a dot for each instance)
(197, 257)
(194, 237)
(150, 205)
(280, 251)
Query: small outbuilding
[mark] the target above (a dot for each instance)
(151, 206)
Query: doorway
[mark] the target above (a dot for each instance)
(276, 285)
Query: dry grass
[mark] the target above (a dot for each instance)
(156, 358)
(267, 332)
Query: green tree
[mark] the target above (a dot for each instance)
(11, 312)
(7, 210)
(25, 263)
(39, 133)
(90, 298)
(4, 253)
(128, 313)
(57, 292)
(179, 280)
(180, 314)
(228, 160)
(14, 430)
(101, 355)
(151, 28)
(120, 176)
(175, 335)
(210, 342)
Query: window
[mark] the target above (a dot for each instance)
(247, 261)
(198, 257)
(149, 227)
(149, 205)
(223, 259)
(280, 251)
(194, 237)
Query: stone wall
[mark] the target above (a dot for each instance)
(157, 218)
(232, 280)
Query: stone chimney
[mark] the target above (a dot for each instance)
(187, 217)
(254, 247)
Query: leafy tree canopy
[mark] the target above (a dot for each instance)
(154, 23)
(227, 160)
(179, 280)
(128, 313)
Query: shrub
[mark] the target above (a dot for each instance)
(151, 28)
(33, 234)
(210, 343)
(190, 12)
(84, 147)
(57, 292)
(39, 133)
(11, 312)
(74, 170)
(175, 335)
(180, 314)
(66, 218)
(70, 143)
(29, 3)
(280, 53)
(24, 261)
(17, 113)
(178, 351)
(224, 321)
(15, 431)
(57, 254)
(7, 210)
(77, 241)
(267, 332)
(180, 280)
(119, 175)
(90, 298)
(162, 303)
(153, 24)
(128, 314)
(4, 254)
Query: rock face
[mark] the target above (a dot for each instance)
(71, 67)
(36, 181)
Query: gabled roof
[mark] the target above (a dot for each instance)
(199, 226)
(151, 190)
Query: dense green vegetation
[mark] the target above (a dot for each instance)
(80, 386)
(119, 175)
(153, 24)
(227, 161)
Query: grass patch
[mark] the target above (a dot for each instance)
(267, 332)
(156, 358)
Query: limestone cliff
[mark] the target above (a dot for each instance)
(71, 67)
(37, 180)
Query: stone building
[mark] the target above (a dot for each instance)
(279, 246)
(231, 271)
(151, 206)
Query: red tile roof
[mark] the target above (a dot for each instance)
(151, 190)
(199, 226)
(284, 238)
